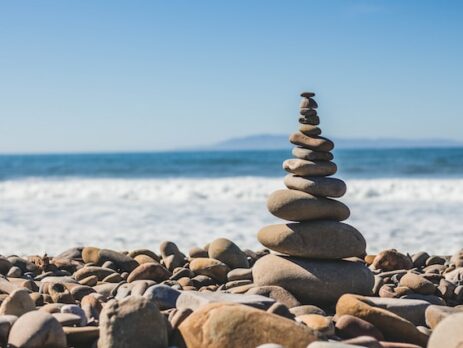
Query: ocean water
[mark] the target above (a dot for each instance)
(409, 199)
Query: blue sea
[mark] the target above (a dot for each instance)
(409, 199)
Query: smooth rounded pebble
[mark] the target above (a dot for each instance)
(228, 252)
(310, 155)
(314, 239)
(37, 329)
(300, 206)
(316, 186)
(316, 143)
(313, 281)
(309, 168)
(448, 333)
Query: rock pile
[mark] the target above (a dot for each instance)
(312, 249)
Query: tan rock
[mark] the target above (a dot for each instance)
(210, 267)
(435, 314)
(391, 259)
(149, 271)
(229, 253)
(417, 283)
(311, 155)
(308, 129)
(317, 322)
(308, 168)
(448, 333)
(221, 325)
(316, 186)
(17, 303)
(393, 327)
(314, 239)
(316, 143)
(300, 206)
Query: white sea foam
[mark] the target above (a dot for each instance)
(49, 215)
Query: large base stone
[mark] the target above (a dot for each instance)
(316, 282)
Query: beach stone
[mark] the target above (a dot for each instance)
(412, 310)
(435, 314)
(17, 303)
(81, 336)
(314, 239)
(193, 300)
(90, 254)
(145, 252)
(5, 265)
(308, 168)
(310, 155)
(240, 274)
(71, 253)
(76, 310)
(37, 329)
(113, 278)
(313, 281)
(219, 325)
(309, 118)
(178, 316)
(431, 299)
(142, 258)
(277, 293)
(210, 267)
(391, 259)
(88, 271)
(229, 253)
(164, 296)
(14, 272)
(149, 271)
(446, 289)
(60, 294)
(300, 206)
(392, 326)
(123, 262)
(89, 281)
(306, 309)
(317, 322)
(67, 319)
(448, 333)
(92, 307)
(281, 310)
(419, 259)
(348, 326)
(435, 260)
(310, 130)
(307, 94)
(6, 322)
(316, 143)
(417, 283)
(308, 112)
(197, 252)
(457, 259)
(171, 255)
(78, 292)
(308, 102)
(316, 186)
(454, 276)
(133, 322)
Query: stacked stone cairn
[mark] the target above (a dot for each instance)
(311, 250)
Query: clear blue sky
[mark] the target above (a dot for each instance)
(148, 75)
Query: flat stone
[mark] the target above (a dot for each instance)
(308, 168)
(300, 206)
(210, 267)
(87, 271)
(307, 94)
(311, 120)
(391, 259)
(134, 322)
(81, 336)
(197, 252)
(412, 310)
(310, 155)
(164, 296)
(315, 143)
(37, 329)
(277, 293)
(316, 186)
(221, 325)
(240, 274)
(17, 303)
(417, 283)
(348, 326)
(448, 333)
(435, 314)
(314, 239)
(392, 326)
(307, 112)
(123, 262)
(193, 299)
(67, 319)
(149, 271)
(309, 129)
(146, 252)
(313, 281)
(308, 103)
(229, 253)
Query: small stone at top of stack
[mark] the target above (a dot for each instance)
(311, 248)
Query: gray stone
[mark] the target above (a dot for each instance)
(240, 274)
(316, 143)
(37, 329)
(278, 293)
(133, 322)
(300, 206)
(193, 300)
(17, 303)
(76, 310)
(309, 168)
(313, 281)
(310, 155)
(316, 186)
(314, 239)
(164, 296)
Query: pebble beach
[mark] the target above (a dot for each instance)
(311, 282)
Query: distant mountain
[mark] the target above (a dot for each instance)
(277, 141)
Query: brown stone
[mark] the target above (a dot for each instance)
(309, 129)
(391, 259)
(348, 326)
(300, 206)
(316, 186)
(149, 271)
(448, 333)
(308, 168)
(315, 143)
(417, 283)
(221, 325)
(210, 267)
(310, 120)
(229, 253)
(310, 155)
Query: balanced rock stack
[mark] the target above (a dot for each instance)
(310, 250)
